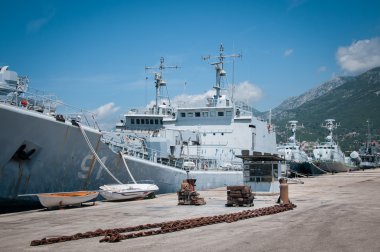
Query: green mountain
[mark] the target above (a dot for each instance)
(351, 101)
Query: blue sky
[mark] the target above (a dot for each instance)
(92, 54)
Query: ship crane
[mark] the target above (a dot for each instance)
(220, 72)
(160, 82)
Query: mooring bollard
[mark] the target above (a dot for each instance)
(284, 192)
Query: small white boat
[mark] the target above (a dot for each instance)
(127, 191)
(66, 198)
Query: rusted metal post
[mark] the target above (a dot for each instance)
(284, 191)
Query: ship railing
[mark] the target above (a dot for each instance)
(244, 108)
(48, 104)
(200, 163)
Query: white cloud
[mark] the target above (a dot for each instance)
(244, 91)
(322, 69)
(37, 24)
(106, 110)
(247, 92)
(360, 55)
(288, 52)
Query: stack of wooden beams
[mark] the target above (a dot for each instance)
(239, 196)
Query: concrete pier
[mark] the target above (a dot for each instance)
(339, 212)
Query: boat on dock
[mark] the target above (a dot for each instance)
(127, 191)
(61, 199)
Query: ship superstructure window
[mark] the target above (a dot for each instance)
(132, 121)
(190, 114)
(151, 121)
(205, 113)
(212, 113)
(138, 121)
(142, 121)
(161, 122)
(220, 113)
(155, 121)
(228, 113)
(197, 114)
(183, 114)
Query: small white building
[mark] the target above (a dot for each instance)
(262, 171)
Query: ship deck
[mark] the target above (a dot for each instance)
(337, 212)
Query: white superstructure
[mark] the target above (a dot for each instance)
(209, 135)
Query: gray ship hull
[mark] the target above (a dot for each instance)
(60, 160)
(306, 168)
(334, 167)
(168, 178)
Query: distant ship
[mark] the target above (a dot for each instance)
(295, 156)
(166, 141)
(368, 155)
(328, 156)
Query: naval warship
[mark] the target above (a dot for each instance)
(202, 141)
(46, 150)
(328, 156)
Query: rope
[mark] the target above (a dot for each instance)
(96, 156)
(126, 167)
(318, 167)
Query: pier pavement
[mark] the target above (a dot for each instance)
(339, 212)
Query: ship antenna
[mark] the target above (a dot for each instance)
(330, 125)
(368, 144)
(159, 81)
(220, 72)
(293, 127)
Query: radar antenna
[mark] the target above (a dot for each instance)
(220, 72)
(293, 127)
(160, 82)
(330, 125)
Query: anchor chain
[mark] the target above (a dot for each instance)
(116, 234)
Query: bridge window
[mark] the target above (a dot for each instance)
(138, 121)
(205, 113)
(212, 113)
(228, 113)
(183, 114)
(197, 114)
(220, 113)
(155, 121)
(190, 114)
(132, 121)
(151, 121)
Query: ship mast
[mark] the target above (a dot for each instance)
(368, 144)
(293, 127)
(220, 72)
(159, 81)
(330, 125)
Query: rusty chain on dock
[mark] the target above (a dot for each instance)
(116, 234)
